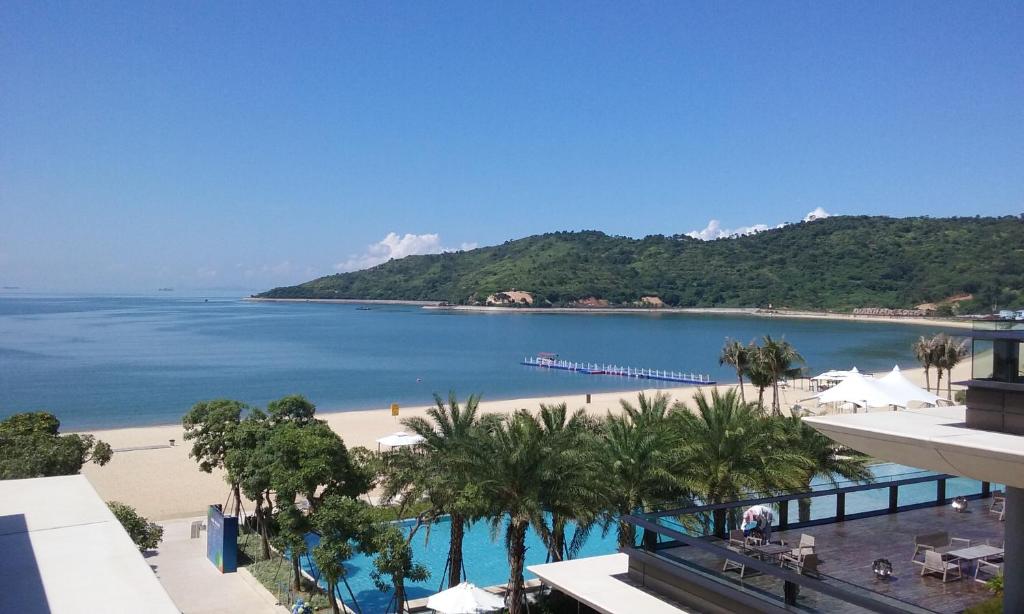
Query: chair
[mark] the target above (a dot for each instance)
(998, 505)
(939, 542)
(808, 565)
(805, 547)
(987, 567)
(736, 545)
(737, 538)
(934, 563)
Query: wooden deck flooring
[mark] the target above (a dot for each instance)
(847, 550)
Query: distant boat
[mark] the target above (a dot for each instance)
(364, 308)
(165, 289)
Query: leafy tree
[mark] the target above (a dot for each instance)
(292, 527)
(210, 425)
(736, 355)
(824, 459)
(311, 460)
(31, 446)
(250, 463)
(449, 434)
(947, 354)
(639, 453)
(393, 563)
(732, 451)
(145, 534)
(343, 524)
(292, 408)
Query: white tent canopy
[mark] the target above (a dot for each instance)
(400, 439)
(835, 376)
(893, 389)
(465, 598)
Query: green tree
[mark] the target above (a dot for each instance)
(947, 353)
(449, 434)
(778, 359)
(31, 446)
(736, 355)
(292, 527)
(639, 454)
(311, 460)
(732, 450)
(343, 524)
(292, 408)
(924, 352)
(573, 485)
(394, 564)
(210, 425)
(145, 534)
(509, 467)
(250, 463)
(823, 459)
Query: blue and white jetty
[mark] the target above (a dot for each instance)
(547, 360)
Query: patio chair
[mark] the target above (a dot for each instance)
(805, 547)
(988, 568)
(939, 542)
(737, 538)
(738, 546)
(934, 563)
(808, 565)
(998, 505)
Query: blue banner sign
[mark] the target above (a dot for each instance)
(222, 539)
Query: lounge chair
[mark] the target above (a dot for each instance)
(934, 563)
(808, 565)
(988, 568)
(939, 542)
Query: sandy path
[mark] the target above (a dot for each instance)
(163, 482)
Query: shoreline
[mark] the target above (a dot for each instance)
(163, 483)
(798, 314)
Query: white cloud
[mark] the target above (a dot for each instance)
(819, 213)
(397, 246)
(714, 228)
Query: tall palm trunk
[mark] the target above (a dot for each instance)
(938, 381)
(804, 509)
(927, 379)
(516, 559)
(556, 547)
(719, 517)
(333, 598)
(743, 396)
(949, 383)
(760, 398)
(458, 530)
(776, 407)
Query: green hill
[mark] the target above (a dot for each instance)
(839, 263)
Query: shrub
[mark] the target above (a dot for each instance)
(145, 534)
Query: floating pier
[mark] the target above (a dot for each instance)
(590, 368)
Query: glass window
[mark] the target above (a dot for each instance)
(981, 363)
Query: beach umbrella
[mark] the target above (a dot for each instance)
(465, 598)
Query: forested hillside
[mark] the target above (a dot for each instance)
(839, 263)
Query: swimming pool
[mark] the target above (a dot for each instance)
(486, 563)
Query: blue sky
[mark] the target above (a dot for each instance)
(240, 145)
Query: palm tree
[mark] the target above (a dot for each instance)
(825, 459)
(923, 353)
(777, 359)
(640, 460)
(734, 451)
(760, 378)
(448, 435)
(948, 353)
(573, 487)
(736, 355)
(510, 464)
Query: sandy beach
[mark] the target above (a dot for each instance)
(162, 482)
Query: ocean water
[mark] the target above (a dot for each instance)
(99, 361)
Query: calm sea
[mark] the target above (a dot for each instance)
(110, 362)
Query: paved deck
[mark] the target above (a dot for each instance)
(847, 550)
(194, 583)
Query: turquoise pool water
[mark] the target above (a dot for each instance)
(485, 560)
(486, 563)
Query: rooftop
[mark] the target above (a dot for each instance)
(64, 551)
